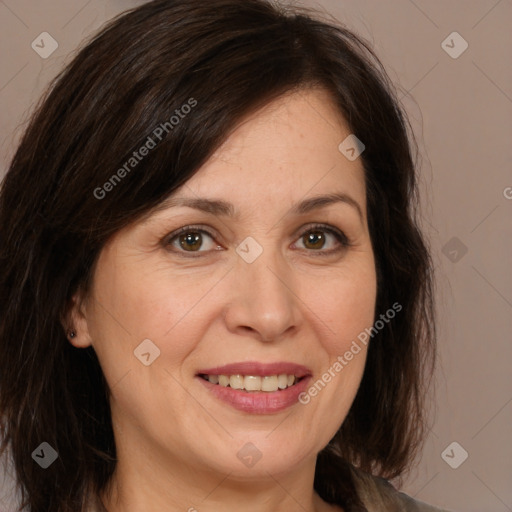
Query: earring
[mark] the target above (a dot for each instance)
(71, 334)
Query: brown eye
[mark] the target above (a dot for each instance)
(194, 241)
(191, 240)
(317, 237)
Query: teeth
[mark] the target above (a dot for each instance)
(249, 383)
(236, 381)
(252, 383)
(223, 380)
(269, 383)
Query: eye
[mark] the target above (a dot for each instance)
(314, 239)
(190, 239)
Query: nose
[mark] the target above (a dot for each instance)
(262, 299)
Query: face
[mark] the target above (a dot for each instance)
(264, 287)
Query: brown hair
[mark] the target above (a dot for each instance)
(230, 57)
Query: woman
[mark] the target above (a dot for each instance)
(215, 294)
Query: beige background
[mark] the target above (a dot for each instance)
(461, 111)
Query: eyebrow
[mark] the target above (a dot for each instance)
(225, 209)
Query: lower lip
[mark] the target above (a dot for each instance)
(258, 402)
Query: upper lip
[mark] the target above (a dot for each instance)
(257, 369)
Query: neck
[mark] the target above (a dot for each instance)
(147, 486)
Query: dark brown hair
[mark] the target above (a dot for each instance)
(231, 57)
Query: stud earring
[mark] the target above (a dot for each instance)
(72, 334)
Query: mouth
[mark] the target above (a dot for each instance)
(254, 383)
(256, 388)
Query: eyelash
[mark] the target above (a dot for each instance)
(339, 235)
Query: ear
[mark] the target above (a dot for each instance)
(75, 321)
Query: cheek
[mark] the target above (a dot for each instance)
(133, 304)
(355, 314)
(345, 304)
(350, 308)
(347, 308)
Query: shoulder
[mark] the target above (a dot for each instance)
(413, 505)
(377, 494)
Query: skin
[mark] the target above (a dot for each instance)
(177, 444)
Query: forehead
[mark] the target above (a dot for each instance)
(302, 119)
(277, 159)
(291, 143)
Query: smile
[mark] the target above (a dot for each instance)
(252, 383)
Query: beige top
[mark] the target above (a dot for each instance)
(378, 495)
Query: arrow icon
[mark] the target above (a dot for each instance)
(45, 455)
(454, 455)
(249, 455)
(351, 147)
(44, 45)
(249, 249)
(454, 45)
(147, 352)
(454, 249)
